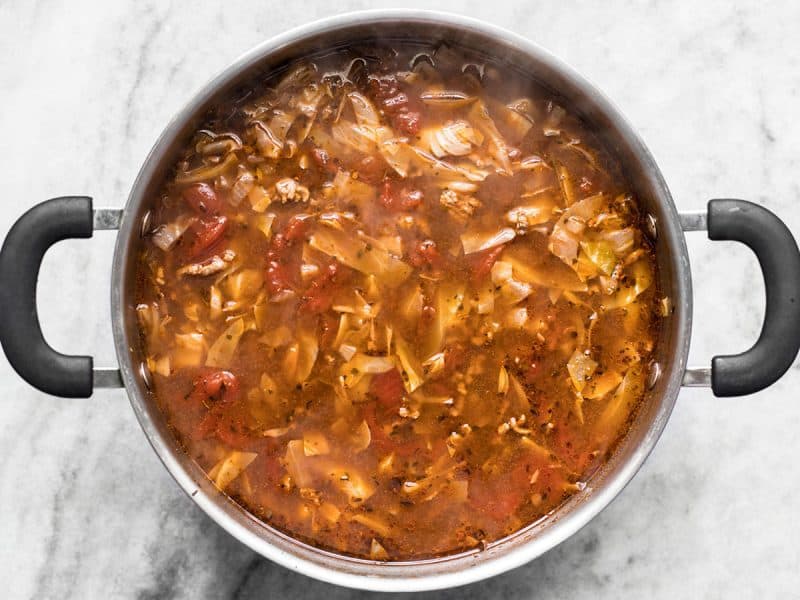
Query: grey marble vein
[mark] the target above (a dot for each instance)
(87, 509)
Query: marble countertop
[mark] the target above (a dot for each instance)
(87, 509)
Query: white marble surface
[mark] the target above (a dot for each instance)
(88, 511)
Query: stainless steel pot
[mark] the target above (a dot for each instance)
(73, 376)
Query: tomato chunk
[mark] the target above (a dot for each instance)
(425, 253)
(215, 386)
(319, 295)
(388, 389)
(297, 228)
(396, 197)
(408, 122)
(207, 232)
(481, 263)
(203, 199)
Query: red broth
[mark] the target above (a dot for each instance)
(397, 305)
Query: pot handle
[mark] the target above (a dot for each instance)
(20, 332)
(775, 247)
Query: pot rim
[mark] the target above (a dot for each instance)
(410, 576)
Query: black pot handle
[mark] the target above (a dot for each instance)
(20, 331)
(777, 253)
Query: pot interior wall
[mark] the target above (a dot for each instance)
(572, 92)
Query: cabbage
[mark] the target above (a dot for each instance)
(502, 381)
(580, 368)
(314, 444)
(363, 364)
(329, 511)
(190, 350)
(373, 523)
(618, 408)
(205, 173)
(485, 300)
(601, 385)
(355, 486)
(214, 303)
(477, 242)
(297, 464)
(449, 304)
(308, 349)
(642, 275)
(377, 552)
(264, 224)
(498, 149)
(259, 198)
(361, 437)
(517, 317)
(243, 284)
(369, 258)
(221, 352)
(601, 254)
(523, 217)
(150, 321)
(410, 367)
(270, 137)
(512, 291)
(242, 188)
(365, 112)
(434, 364)
(165, 236)
(619, 240)
(160, 366)
(563, 240)
(230, 467)
(455, 138)
(395, 151)
(355, 136)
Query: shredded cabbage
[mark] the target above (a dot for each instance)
(230, 467)
(477, 242)
(221, 352)
(410, 367)
(580, 367)
(371, 259)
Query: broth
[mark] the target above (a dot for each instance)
(397, 304)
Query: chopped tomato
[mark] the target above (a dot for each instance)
(408, 122)
(381, 88)
(207, 232)
(370, 415)
(277, 276)
(234, 433)
(425, 253)
(319, 295)
(297, 227)
(266, 468)
(324, 161)
(371, 169)
(481, 263)
(399, 198)
(213, 386)
(497, 502)
(455, 358)
(202, 198)
(328, 325)
(388, 389)
(500, 496)
(396, 103)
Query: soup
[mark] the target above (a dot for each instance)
(397, 302)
